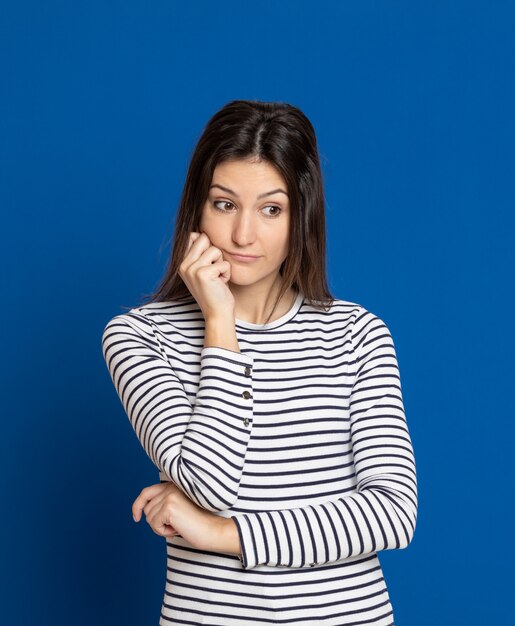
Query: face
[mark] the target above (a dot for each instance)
(247, 212)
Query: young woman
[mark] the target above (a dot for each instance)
(272, 410)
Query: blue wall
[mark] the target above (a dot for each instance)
(102, 104)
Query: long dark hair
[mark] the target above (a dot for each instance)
(282, 135)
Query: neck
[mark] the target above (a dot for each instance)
(256, 303)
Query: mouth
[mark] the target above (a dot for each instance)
(243, 257)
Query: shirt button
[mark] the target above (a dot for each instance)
(312, 564)
(246, 394)
(246, 421)
(248, 371)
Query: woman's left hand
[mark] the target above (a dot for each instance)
(169, 512)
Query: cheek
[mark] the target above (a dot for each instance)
(213, 229)
(280, 244)
(206, 223)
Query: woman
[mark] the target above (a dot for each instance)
(273, 411)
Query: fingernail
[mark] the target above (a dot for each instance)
(134, 517)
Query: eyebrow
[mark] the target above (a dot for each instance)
(262, 195)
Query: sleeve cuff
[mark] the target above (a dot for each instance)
(244, 541)
(237, 358)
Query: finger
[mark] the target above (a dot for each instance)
(194, 238)
(158, 520)
(163, 528)
(159, 504)
(194, 235)
(153, 507)
(146, 494)
(160, 524)
(167, 532)
(207, 260)
(225, 271)
(199, 244)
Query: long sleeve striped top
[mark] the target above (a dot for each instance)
(301, 438)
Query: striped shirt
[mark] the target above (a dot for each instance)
(301, 438)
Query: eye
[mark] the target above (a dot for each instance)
(276, 208)
(221, 202)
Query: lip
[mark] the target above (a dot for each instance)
(244, 258)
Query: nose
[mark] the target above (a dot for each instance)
(244, 229)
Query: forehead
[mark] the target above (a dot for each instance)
(244, 172)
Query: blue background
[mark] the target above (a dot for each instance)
(102, 103)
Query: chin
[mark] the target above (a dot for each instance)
(241, 282)
(245, 278)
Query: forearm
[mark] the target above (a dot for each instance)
(198, 443)
(364, 522)
(221, 333)
(207, 464)
(225, 536)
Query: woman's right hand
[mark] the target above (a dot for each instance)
(205, 273)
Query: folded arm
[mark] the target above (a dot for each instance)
(381, 514)
(199, 442)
